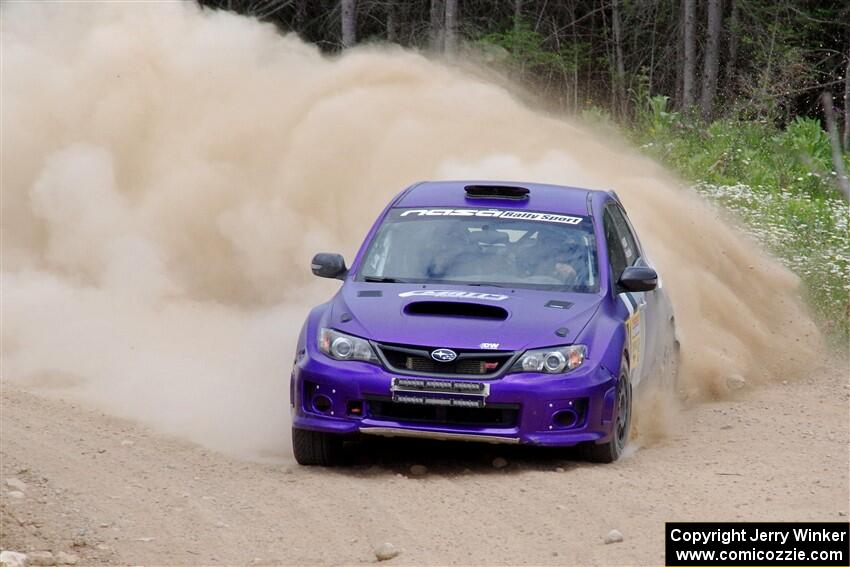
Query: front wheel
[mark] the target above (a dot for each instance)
(316, 447)
(611, 451)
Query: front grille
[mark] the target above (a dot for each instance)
(502, 415)
(422, 364)
(417, 360)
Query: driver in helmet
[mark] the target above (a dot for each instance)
(564, 268)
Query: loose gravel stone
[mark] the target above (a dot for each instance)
(16, 484)
(386, 551)
(13, 559)
(500, 463)
(614, 536)
(17, 494)
(736, 382)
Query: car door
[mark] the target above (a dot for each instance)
(623, 251)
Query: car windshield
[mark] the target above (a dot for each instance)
(506, 248)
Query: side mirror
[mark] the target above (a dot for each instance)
(638, 278)
(327, 265)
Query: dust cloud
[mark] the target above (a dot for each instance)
(168, 173)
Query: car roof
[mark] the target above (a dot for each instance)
(541, 197)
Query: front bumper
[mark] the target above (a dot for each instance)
(347, 397)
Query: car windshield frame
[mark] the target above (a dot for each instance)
(532, 224)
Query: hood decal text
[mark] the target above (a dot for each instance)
(493, 213)
(454, 294)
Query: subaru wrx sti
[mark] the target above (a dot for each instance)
(482, 311)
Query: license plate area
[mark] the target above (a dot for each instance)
(447, 393)
(425, 385)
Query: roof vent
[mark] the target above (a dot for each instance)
(496, 192)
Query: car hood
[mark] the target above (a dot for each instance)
(461, 317)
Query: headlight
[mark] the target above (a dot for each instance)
(345, 347)
(553, 360)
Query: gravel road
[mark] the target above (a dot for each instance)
(110, 491)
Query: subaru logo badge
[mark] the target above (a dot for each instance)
(444, 355)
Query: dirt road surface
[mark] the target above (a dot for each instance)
(114, 492)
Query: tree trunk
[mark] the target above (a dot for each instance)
(712, 59)
(847, 105)
(620, 79)
(517, 14)
(451, 26)
(575, 55)
(564, 96)
(652, 48)
(349, 22)
(437, 21)
(680, 57)
(837, 160)
(734, 35)
(300, 15)
(690, 62)
(609, 56)
(392, 22)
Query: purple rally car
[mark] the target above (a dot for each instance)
(483, 311)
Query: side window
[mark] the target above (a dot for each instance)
(616, 254)
(627, 239)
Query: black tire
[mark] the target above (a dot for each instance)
(611, 451)
(316, 448)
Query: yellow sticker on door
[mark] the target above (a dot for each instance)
(633, 334)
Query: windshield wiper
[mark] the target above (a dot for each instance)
(380, 279)
(489, 285)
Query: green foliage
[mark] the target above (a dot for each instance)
(805, 138)
(528, 51)
(780, 183)
(598, 117)
(653, 118)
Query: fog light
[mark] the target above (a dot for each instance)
(565, 418)
(322, 403)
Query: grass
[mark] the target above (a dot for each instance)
(779, 183)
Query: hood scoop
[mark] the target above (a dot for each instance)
(456, 309)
